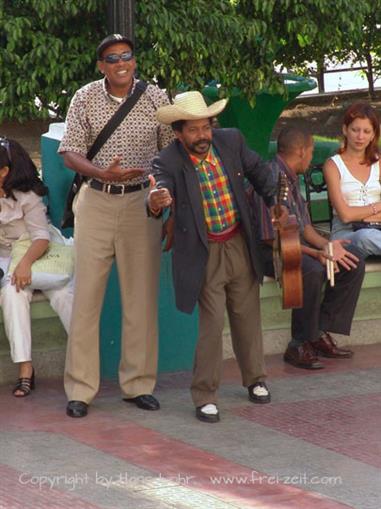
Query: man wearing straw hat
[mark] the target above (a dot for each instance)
(215, 262)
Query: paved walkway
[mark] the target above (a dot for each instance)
(316, 446)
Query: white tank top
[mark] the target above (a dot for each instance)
(355, 192)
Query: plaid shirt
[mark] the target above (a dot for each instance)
(221, 212)
(295, 203)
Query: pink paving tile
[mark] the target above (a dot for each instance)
(162, 455)
(19, 490)
(366, 357)
(350, 425)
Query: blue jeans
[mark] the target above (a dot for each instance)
(367, 240)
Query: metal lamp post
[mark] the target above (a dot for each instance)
(120, 17)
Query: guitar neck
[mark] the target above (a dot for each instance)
(278, 210)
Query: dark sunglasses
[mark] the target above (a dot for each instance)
(5, 144)
(114, 58)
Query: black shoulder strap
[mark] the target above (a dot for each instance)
(116, 119)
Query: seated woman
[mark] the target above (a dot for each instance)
(353, 179)
(22, 212)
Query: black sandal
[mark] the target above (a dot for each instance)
(25, 385)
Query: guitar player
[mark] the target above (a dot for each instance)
(313, 323)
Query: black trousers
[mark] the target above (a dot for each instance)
(332, 313)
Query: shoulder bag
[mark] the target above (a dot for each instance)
(54, 268)
(103, 136)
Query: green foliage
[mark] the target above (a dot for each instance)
(47, 51)
(193, 42)
(239, 43)
(47, 48)
(364, 45)
(303, 31)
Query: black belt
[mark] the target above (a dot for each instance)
(116, 188)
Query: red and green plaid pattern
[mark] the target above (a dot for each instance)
(220, 210)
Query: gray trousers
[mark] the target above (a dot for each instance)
(229, 283)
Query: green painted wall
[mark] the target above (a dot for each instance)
(177, 331)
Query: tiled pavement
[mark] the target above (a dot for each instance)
(316, 446)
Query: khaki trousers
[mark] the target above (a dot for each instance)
(231, 282)
(109, 227)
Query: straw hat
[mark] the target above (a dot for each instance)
(189, 106)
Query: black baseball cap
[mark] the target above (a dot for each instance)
(110, 40)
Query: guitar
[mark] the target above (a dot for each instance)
(287, 254)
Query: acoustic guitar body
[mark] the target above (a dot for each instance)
(287, 254)
(291, 260)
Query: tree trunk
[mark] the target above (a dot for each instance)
(320, 75)
(369, 75)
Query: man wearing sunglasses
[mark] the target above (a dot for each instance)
(111, 223)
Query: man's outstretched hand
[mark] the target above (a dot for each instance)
(158, 199)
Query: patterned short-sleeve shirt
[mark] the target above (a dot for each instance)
(138, 138)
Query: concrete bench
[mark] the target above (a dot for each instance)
(49, 343)
(49, 337)
(276, 322)
(40, 307)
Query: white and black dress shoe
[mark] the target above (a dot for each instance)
(208, 413)
(259, 393)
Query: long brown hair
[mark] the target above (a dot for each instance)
(23, 175)
(364, 110)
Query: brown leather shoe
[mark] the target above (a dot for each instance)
(327, 347)
(302, 356)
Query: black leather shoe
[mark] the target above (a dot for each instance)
(76, 409)
(259, 393)
(207, 417)
(145, 401)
